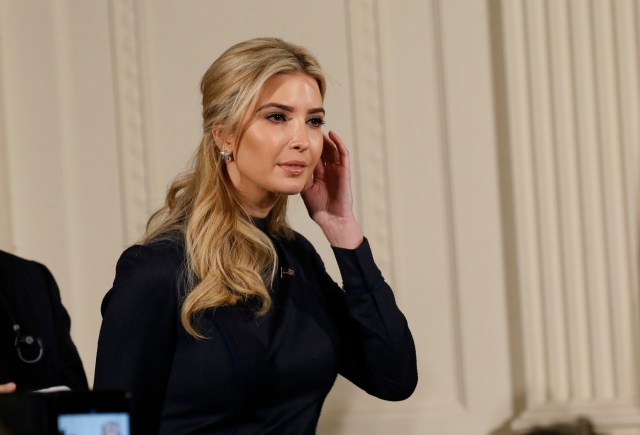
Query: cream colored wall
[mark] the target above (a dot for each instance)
(494, 144)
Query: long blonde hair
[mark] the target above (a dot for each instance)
(228, 259)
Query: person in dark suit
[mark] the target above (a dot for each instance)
(36, 350)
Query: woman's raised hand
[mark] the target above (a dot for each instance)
(328, 196)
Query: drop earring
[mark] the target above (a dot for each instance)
(226, 155)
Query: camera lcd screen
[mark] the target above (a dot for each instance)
(99, 423)
(90, 413)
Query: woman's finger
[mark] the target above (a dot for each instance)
(341, 148)
(330, 153)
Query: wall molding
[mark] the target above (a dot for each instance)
(448, 206)
(369, 134)
(129, 73)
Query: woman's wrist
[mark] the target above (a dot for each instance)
(343, 233)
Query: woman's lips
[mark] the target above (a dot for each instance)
(293, 167)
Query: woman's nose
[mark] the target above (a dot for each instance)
(299, 136)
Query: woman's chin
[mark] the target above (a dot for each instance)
(293, 189)
(292, 192)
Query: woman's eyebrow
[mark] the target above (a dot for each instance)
(288, 108)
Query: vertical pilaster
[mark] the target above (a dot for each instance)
(572, 69)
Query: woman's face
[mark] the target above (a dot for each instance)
(281, 142)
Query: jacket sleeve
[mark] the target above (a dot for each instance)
(378, 353)
(71, 370)
(137, 336)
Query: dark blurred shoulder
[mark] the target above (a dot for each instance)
(18, 271)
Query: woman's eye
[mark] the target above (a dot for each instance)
(316, 122)
(276, 117)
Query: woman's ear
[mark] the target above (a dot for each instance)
(217, 134)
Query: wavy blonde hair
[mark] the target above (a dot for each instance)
(228, 259)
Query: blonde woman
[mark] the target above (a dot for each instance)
(223, 319)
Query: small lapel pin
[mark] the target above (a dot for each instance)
(288, 272)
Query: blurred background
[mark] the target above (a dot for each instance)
(495, 146)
